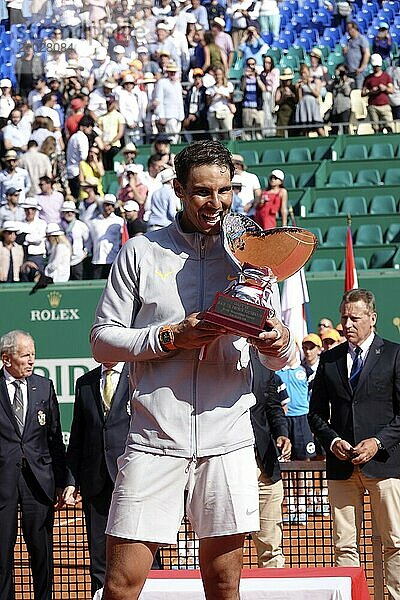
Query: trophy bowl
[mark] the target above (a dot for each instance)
(263, 258)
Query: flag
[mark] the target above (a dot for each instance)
(294, 299)
(124, 234)
(350, 278)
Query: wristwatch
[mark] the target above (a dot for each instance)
(166, 338)
(378, 443)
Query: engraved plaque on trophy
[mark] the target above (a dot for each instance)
(263, 258)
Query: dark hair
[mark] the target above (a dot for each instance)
(203, 152)
(47, 97)
(153, 159)
(360, 295)
(271, 59)
(32, 144)
(86, 121)
(353, 24)
(46, 179)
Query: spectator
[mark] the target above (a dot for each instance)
(221, 37)
(16, 133)
(356, 53)
(37, 164)
(13, 176)
(308, 111)
(98, 99)
(59, 256)
(382, 44)
(11, 253)
(239, 206)
(394, 97)
(354, 412)
(55, 64)
(215, 10)
(200, 13)
(102, 71)
(239, 13)
(270, 78)
(270, 428)
(36, 94)
(77, 233)
(89, 207)
(42, 128)
(169, 103)
(272, 200)
(77, 109)
(151, 178)
(220, 106)
(78, 150)
(28, 67)
(50, 200)
(129, 108)
(91, 168)
(112, 126)
(286, 98)
(341, 86)
(253, 46)
(323, 325)
(101, 398)
(251, 188)
(135, 189)
(105, 233)
(162, 146)
(11, 210)
(318, 70)
(7, 103)
(270, 18)
(214, 57)
(330, 338)
(312, 348)
(131, 214)
(195, 107)
(49, 101)
(34, 229)
(32, 454)
(377, 88)
(164, 43)
(164, 203)
(253, 90)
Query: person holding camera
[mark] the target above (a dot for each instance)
(253, 101)
(341, 86)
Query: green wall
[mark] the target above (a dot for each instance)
(60, 316)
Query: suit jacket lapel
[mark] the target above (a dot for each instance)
(121, 393)
(30, 411)
(342, 367)
(6, 402)
(374, 355)
(97, 395)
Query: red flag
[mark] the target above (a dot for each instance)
(351, 279)
(125, 234)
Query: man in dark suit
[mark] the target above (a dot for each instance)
(271, 435)
(98, 435)
(355, 412)
(32, 463)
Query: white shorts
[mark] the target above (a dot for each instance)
(148, 499)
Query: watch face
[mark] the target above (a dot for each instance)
(166, 337)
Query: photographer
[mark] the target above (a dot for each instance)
(253, 101)
(253, 46)
(340, 86)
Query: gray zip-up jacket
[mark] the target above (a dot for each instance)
(181, 405)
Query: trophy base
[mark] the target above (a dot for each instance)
(243, 318)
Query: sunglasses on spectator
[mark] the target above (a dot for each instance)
(324, 325)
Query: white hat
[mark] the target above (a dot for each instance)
(148, 77)
(170, 21)
(5, 83)
(54, 229)
(128, 79)
(100, 53)
(219, 21)
(133, 168)
(69, 73)
(142, 50)
(109, 199)
(278, 173)
(162, 26)
(167, 175)
(130, 147)
(11, 226)
(69, 206)
(109, 83)
(119, 49)
(30, 203)
(131, 205)
(376, 60)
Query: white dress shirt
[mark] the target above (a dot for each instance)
(117, 369)
(105, 236)
(365, 346)
(11, 389)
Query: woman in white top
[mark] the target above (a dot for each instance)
(318, 70)
(59, 255)
(220, 106)
(270, 78)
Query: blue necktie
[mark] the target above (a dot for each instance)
(356, 368)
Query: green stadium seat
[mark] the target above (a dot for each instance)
(325, 207)
(113, 188)
(354, 205)
(272, 155)
(299, 155)
(355, 152)
(396, 259)
(382, 150)
(360, 262)
(340, 179)
(322, 264)
(290, 181)
(369, 235)
(250, 157)
(141, 159)
(317, 232)
(392, 177)
(382, 205)
(393, 234)
(304, 179)
(368, 177)
(322, 152)
(107, 180)
(381, 259)
(336, 236)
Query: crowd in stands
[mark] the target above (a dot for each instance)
(83, 85)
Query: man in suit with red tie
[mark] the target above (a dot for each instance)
(98, 435)
(32, 463)
(355, 412)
